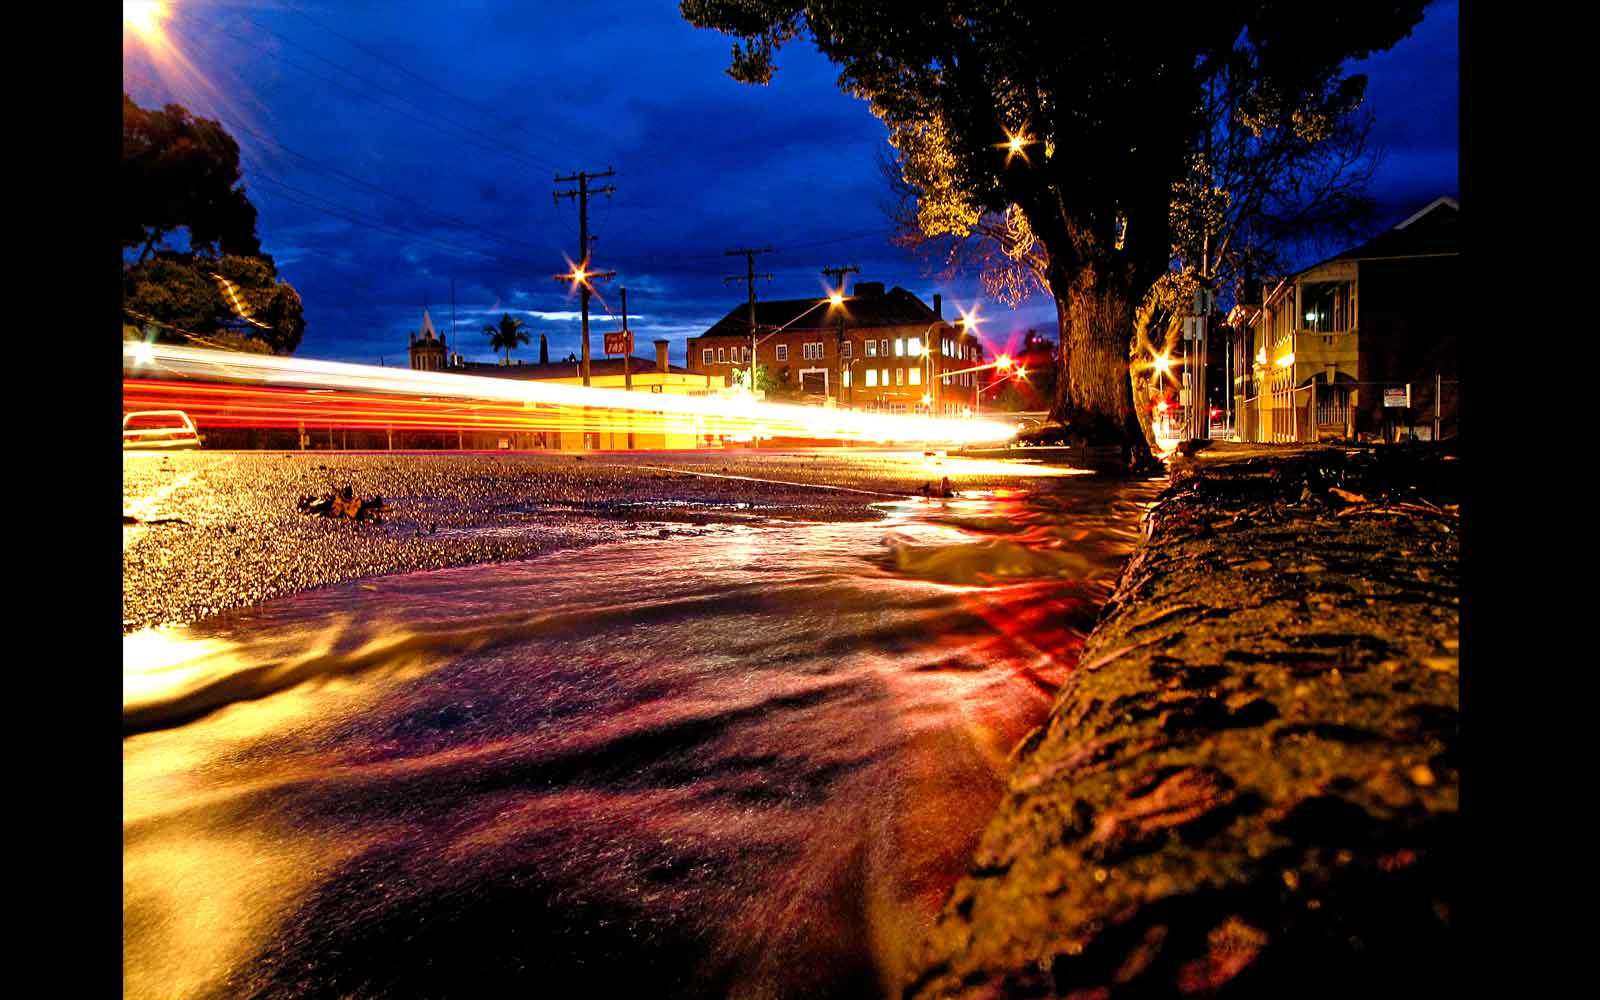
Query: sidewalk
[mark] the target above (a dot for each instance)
(1249, 786)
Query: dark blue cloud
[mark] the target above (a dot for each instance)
(393, 148)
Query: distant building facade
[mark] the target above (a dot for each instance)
(868, 353)
(429, 352)
(1330, 351)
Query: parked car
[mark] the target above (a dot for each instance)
(158, 430)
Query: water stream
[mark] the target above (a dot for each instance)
(749, 763)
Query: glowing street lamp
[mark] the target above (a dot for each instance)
(1016, 145)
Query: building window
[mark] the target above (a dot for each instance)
(899, 346)
(847, 378)
(883, 347)
(916, 376)
(721, 356)
(899, 376)
(706, 356)
(844, 349)
(872, 377)
(885, 376)
(783, 352)
(872, 348)
(914, 345)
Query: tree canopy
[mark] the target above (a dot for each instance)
(1069, 128)
(507, 334)
(180, 175)
(182, 172)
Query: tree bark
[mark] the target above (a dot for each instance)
(1094, 393)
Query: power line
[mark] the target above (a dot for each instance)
(464, 126)
(358, 182)
(421, 79)
(374, 187)
(465, 135)
(353, 216)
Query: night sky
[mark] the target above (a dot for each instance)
(393, 147)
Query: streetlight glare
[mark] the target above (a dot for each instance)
(1015, 145)
(1003, 361)
(144, 17)
(836, 299)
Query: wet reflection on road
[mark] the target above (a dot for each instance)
(749, 764)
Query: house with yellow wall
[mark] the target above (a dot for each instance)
(1326, 343)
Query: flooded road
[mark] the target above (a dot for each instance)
(747, 762)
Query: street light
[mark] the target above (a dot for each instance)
(833, 299)
(930, 391)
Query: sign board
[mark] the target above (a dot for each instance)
(1183, 397)
(1203, 300)
(619, 342)
(1397, 397)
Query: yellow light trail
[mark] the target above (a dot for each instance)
(266, 390)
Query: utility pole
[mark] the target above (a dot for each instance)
(582, 195)
(627, 376)
(750, 277)
(1438, 387)
(838, 273)
(1195, 361)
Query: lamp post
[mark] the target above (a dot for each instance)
(850, 377)
(930, 392)
(836, 301)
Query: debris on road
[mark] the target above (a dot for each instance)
(343, 503)
(128, 519)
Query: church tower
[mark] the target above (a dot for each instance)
(427, 351)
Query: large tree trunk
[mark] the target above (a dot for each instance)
(1094, 393)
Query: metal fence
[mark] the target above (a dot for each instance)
(1433, 413)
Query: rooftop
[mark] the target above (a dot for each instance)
(869, 307)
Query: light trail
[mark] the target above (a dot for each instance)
(229, 389)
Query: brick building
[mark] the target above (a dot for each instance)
(866, 354)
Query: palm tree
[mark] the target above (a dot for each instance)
(507, 334)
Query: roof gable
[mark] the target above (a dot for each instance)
(1431, 232)
(896, 307)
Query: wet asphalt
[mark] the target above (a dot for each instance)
(209, 531)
